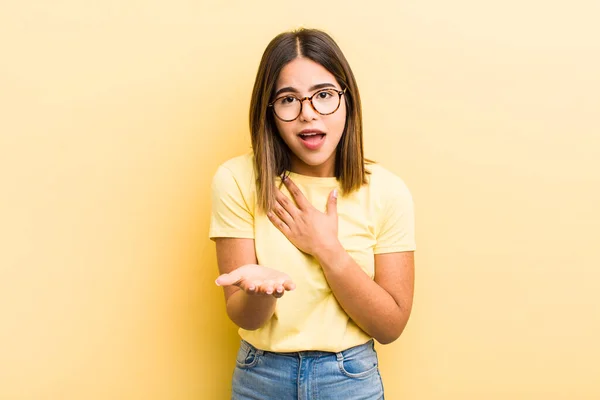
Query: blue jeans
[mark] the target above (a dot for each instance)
(351, 374)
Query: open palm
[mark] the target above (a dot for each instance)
(258, 279)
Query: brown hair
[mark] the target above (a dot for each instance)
(271, 154)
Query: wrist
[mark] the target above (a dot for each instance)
(250, 311)
(330, 254)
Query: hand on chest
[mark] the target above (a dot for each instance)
(356, 232)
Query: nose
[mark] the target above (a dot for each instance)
(308, 113)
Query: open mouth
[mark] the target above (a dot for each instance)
(312, 140)
(311, 137)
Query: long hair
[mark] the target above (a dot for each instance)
(271, 154)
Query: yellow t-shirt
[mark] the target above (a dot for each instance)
(376, 219)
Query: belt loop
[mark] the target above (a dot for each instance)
(340, 356)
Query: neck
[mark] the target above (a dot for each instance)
(325, 170)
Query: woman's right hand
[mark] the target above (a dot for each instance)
(257, 279)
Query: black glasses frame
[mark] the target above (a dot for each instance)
(309, 98)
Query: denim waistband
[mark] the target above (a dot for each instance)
(314, 353)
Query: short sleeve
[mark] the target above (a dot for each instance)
(230, 214)
(396, 222)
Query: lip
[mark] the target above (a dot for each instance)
(314, 143)
(306, 131)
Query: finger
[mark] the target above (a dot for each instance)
(269, 289)
(272, 286)
(287, 203)
(289, 285)
(251, 287)
(278, 295)
(299, 198)
(255, 284)
(332, 203)
(279, 288)
(229, 279)
(283, 214)
(262, 287)
(279, 224)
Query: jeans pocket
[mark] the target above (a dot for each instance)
(247, 356)
(358, 366)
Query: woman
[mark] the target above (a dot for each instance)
(314, 243)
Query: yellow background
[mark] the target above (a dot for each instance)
(115, 114)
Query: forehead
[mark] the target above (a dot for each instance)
(302, 73)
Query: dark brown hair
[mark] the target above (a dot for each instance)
(271, 154)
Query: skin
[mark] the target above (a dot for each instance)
(302, 75)
(382, 306)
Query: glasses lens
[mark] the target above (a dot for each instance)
(326, 101)
(287, 108)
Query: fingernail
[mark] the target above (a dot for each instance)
(217, 282)
(335, 193)
(251, 288)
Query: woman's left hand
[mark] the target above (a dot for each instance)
(307, 228)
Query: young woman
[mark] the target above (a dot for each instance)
(314, 243)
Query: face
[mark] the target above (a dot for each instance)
(312, 137)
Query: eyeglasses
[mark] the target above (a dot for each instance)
(289, 107)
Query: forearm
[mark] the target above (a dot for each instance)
(250, 312)
(370, 306)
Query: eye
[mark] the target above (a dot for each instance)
(287, 100)
(325, 94)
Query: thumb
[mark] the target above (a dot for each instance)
(228, 279)
(332, 203)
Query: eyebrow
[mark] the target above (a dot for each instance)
(315, 87)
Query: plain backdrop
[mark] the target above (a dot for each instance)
(114, 115)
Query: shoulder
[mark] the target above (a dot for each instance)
(236, 173)
(240, 165)
(385, 183)
(393, 210)
(240, 169)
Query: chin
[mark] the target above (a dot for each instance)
(315, 161)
